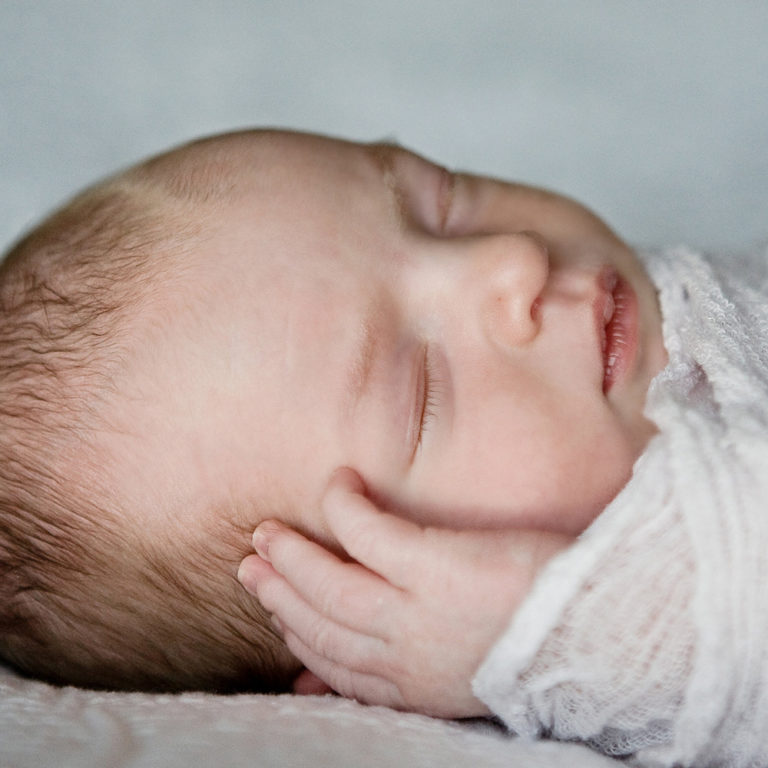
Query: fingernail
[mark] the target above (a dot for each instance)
(246, 578)
(276, 623)
(260, 543)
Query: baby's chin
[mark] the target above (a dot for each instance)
(643, 433)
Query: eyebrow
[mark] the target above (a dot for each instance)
(383, 157)
(359, 372)
(367, 343)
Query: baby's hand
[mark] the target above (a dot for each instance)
(409, 622)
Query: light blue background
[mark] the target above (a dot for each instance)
(654, 113)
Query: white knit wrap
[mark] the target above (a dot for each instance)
(650, 635)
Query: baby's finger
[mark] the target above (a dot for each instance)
(346, 593)
(388, 545)
(367, 688)
(336, 643)
(252, 571)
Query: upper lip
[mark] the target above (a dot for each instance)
(604, 305)
(616, 317)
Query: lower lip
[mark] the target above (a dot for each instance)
(620, 334)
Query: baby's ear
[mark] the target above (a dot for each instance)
(307, 683)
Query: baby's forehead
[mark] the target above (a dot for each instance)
(207, 157)
(220, 168)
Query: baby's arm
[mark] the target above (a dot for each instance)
(408, 622)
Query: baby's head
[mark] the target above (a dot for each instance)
(108, 578)
(197, 344)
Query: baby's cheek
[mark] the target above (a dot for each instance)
(535, 476)
(601, 476)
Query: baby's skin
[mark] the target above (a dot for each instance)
(468, 361)
(407, 623)
(476, 353)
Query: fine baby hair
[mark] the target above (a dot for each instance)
(89, 594)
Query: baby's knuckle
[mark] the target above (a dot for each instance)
(328, 593)
(388, 664)
(361, 539)
(345, 595)
(348, 685)
(268, 593)
(281, 549)
(320, 638)
(371, 657)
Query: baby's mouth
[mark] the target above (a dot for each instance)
(619, 327)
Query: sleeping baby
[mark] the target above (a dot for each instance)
(645, 637)
(287, 330)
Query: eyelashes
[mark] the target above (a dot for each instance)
(430, 398)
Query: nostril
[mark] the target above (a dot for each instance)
(514, 319)
(513, 280)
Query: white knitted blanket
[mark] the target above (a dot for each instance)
(650, 635)
(42, 726)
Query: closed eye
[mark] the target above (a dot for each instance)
(430, 390)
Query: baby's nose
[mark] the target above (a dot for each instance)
(515, 271)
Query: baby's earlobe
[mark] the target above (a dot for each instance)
(307, 683)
